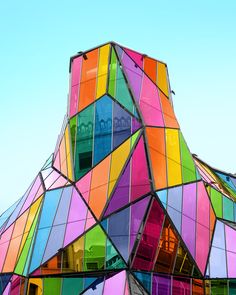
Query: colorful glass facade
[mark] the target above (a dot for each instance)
(121, 206)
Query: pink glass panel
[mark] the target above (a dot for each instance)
(202, 246)
(83, 186)
(231, 262)
(115, 285)
(150, 103)
(203, 205)
(230, 239)
(4, 242)
(32, 194)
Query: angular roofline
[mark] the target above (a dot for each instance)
(106, 43)
(215, 169)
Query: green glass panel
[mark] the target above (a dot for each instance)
(113, 259)
(72, 133)
(232, 287)
(112, 78)
(52, 286)
(25, 253)
(72, 286)
(188, 166)
(216, 200)
(122, 92)
(134, 138)
(95, 249)
(228, 209)
(219, 287)
(84, 141)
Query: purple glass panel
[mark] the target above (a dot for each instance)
(188, 233)
(189, 200)
(137, 213)
(161, 285)
(121, 194)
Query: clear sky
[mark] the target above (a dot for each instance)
(197, 39)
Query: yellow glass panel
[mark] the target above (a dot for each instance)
(38, 286)
(118, 158)
(173, 157)
(102, 70)
(68, 154)
(162, 78)
(32, 214)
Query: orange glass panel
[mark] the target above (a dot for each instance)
(168, 112)
(88, 79)
(99, 186)
(156, 143)
(15, 243)
(150, 68)
(197, 287)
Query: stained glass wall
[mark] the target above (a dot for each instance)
(121, 206)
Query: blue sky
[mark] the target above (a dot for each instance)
(197, 39)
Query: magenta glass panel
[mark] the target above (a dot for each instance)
(120, 196)
(150, 103)
(76, 219)
(202, 246)
(137, 57)
(161, 285)
(203, 205)
(137, 213)
(140, 178)
(145, 256)
(134, 75)
(75, 79)
(181, 286)
(15, 286)
(115, 284)
(189, 200)
(188, 233)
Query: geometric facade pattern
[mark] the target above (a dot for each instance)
(121, 206)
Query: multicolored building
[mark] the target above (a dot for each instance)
(121, 206)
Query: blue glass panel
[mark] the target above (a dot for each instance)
(103, 129)
(145, 279)
(219, 235)
(121, 125)
(118, 230)
(217, 263)
(50, 205)
(175, 198)
(40, 244)
(162, 195)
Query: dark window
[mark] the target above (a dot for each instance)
(85, 160)
(33, 289)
